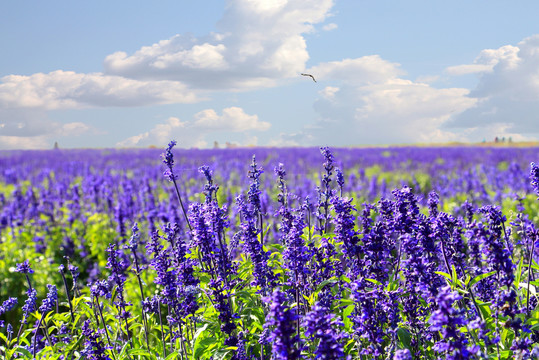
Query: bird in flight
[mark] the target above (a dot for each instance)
(309, 76)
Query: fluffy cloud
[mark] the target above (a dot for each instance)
(68, 90)
(194, 133)
(34, 129)
(507, 96)
(23, 143)
(486, 61)
(232, 119)
(373, 104)
(259, 43)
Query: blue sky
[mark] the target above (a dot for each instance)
(138, 73)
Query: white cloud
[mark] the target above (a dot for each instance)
(32, 129)
(69, 90)
(329, 27)
(507, 96)
(194, 133)
(23, 143)
(232, 119)
(259, 43)
(373, 104)
(359, 71)
(74, 129)
(487, 60)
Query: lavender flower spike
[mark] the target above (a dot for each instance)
(534, 177)
(49, 303)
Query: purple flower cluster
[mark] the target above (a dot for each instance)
(447, 320)
(322, 328)
(281, 324)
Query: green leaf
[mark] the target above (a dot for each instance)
(326, 282)
(25, 352)
(173, 356)
(480, 277)
(202, 346)
(444, 274)
(518, 275)
(139, 352)
(374, 281)
(404, 337)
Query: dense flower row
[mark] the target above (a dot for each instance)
(297, 266)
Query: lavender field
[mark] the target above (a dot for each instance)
(382, 253)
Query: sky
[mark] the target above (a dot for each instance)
(103, 74)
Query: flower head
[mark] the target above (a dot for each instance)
(24, 268)
(168, 160)
(49, 303)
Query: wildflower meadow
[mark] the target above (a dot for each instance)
(380, 253)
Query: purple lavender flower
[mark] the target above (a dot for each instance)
(94, 349)
(281, 323)
(262, 273)
(296, 254)
(432, 203)
(375, 316)
(8, 305)
(281, 173)
(49, 303)
(345, 232)
(101, 288)
(322, 328)
(168, 160)
(534, 177)
(325, 192)
(403, 354)
(118, 277)
(447, 320)
(24, 268)
(210, 189)
(340, 179)
(74, 270)
(254, 192)
(29, 305)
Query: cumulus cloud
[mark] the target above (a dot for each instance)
(232, 119)
(507, 96)
(23, 143)
(374, 104)
(34, 129)
(259, 43)
(194, 133)
(329, 27)
(486, 61)
(69, 90)
(364, 70)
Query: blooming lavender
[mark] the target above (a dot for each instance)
(403, 354)
(322, 328)
(325, 192)
(447, 320)
(49, 303)
(345, 232)
(262, 273)
(210, 188)
(29, 305)
(26, 269)
(94, 349)
(168, 160)
(534, 177)
(281, 324)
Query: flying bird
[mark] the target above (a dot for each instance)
(312, 77)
